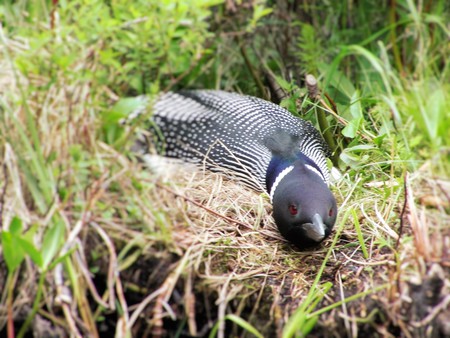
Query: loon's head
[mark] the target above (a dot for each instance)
(304, 208)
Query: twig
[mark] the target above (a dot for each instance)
(276, 89)
(419, 228)
(393, 19)
(311, 85)
(341, 120)
(166, 292)
(331, 111)
(189, 301)
(64, 297)
(333, 104)
(142, 305)
(90, 284)
(222, 306)
(188, 71)
(133, 22)
(122, 327)
(383, 262)
(441, 306)
(313, 89)
(253, 72)
(402, 214)
(446, 194)
(344, 306)
(3, 194)
(113, 273)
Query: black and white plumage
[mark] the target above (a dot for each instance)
(259, 143)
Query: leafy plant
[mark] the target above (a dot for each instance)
(136, 52)
(17, 245)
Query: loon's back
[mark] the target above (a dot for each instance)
(232, 132)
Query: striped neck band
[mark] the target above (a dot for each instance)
(310, 167)
(278, 180)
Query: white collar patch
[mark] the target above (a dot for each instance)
(314, 170)
(278, 180)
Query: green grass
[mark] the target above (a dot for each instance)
(85, 225)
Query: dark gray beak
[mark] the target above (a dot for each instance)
(316, 229)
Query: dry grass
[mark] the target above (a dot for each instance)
(175, 254)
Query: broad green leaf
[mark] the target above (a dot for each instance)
(31, 232)
(435, 113)
(12, 252)
(15, 227)
(355, 105)
(125, 107)
(31, 250)
(338, 80)
(379, 140)
(53, 238)
(283, 83)
(351, 130)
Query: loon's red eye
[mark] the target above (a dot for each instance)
(330, 213)
(293, 210)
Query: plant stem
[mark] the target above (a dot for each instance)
(254, 73)
(9, 302)
(35, 308)
(393, 35)
(328, 135)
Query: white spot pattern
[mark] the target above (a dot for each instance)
(226, 131)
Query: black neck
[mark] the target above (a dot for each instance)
(278, 164)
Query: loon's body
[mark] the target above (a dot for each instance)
(258, 142)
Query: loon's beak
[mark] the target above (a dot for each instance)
(316, 229)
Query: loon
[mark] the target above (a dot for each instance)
(259, 143)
